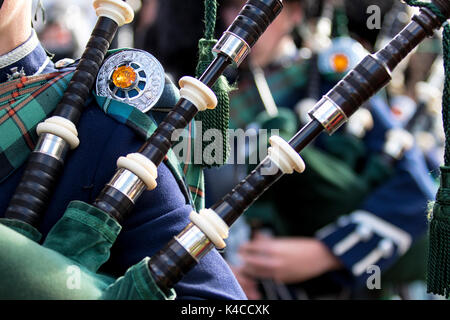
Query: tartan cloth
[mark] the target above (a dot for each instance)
(342, 175)
(246, 104)
(192, 171)
(25, 102)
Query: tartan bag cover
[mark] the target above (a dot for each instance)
(24, 102)
(27, 101)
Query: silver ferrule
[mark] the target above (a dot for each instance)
(52, 145)
(127, 183)
(329, 114)
(232, 46)
(194, 241)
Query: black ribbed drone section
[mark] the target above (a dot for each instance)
(169, 265)
(254, 18)
(42, 171)
(247, 191)
(72, 103)
(34, 190)
(361, 83)
(114, 202)
(373, 72)
(251, 22)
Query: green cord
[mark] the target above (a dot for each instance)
(438, 277)
(429, 5)
(210, 18)
(446, 93)
(340, 28)
(218, 118)
(438, 270)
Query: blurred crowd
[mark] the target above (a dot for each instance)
(361, 205)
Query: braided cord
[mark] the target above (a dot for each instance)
(429, 5)
(438, 273)
(438, 270)
(446, 93)
(340, 28)
(217, 119)
(210, 18)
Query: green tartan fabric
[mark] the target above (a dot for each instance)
(24, 103)
(141, 123)
(192, 169)
(334, 182)
(246, 105)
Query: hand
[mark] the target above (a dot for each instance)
(249, 285)
(287, 260)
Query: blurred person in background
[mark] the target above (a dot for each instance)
(316, 235)
(170, 30)
(64, 26)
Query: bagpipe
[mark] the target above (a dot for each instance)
(58, 134)
(118, 197)
(137, 172)
(333, 110)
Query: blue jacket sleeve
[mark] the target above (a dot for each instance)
(159, 215)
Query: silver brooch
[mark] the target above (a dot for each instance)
(134, 77)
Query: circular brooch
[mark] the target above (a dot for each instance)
(134, 77)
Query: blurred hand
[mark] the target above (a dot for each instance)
(249, 285)
(287, 260)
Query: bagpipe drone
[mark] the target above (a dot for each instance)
(209, 228)
(137, 171)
